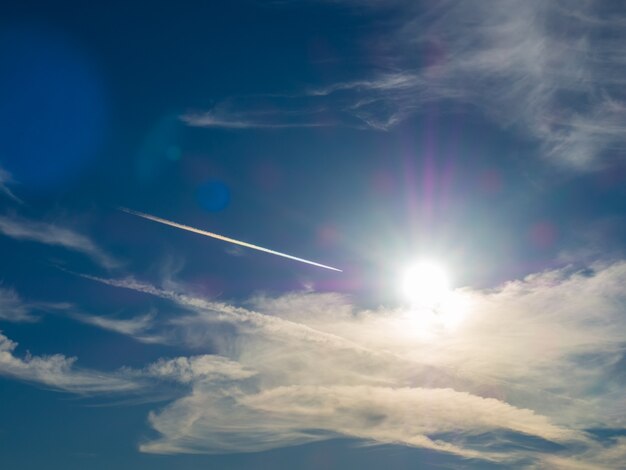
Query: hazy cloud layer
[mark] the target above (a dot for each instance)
(538, 357)
(52, 234)
(552, 71)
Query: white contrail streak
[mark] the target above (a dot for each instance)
(223, 238)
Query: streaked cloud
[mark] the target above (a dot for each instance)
(5, 181)
(232, 421)
(198, 368)
(263, 112)
(61, 373)
(304, 367)
(552, 72)
(58, 372)
(137, 327)
(601, 457)
(549, 70)
(242, 120)
(13, 308)
(53, 234)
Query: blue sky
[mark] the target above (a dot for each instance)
(487, 136)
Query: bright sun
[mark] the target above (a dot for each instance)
(425, 284)
(427, 287)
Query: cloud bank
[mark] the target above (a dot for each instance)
(524, 375)
(539, 358)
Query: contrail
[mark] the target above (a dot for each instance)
(223, 238)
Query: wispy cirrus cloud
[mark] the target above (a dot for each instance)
(58, 372)
(138, 327)
(598, 457)
(242, 120)
(523, 362)
(553, 72)
(51, 234)
(198, 368)
(5, 181)
(13, 308)
(304, 367)
(235, 421)
(263, 112)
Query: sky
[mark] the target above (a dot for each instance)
(485, 137)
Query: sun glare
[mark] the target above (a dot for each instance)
(425, 284)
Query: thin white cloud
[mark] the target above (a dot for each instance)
(534, 357)
(235, 421)
(206, 312)
(13, 308)
(262, 112)
(52, 234)
(58, 372)
(552, 71)
(218, 119)
(5, 181)
(137, 327)
(198, 368)
(600, 457)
